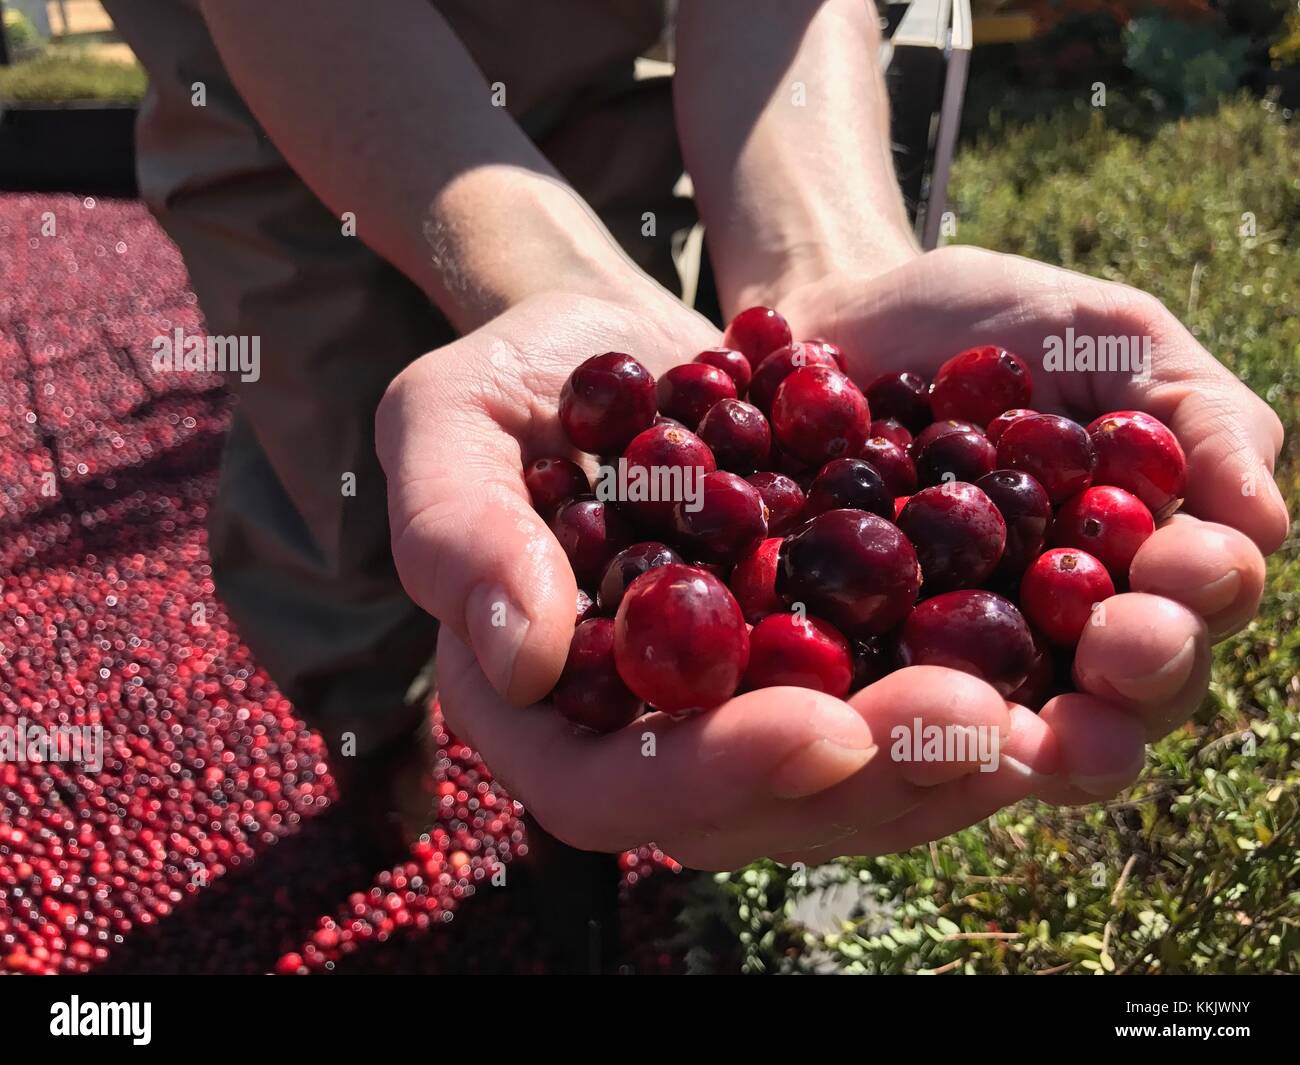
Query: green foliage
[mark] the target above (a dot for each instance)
(1196, 868)
(1188, 64)
(21, 35)
(55, 77)
(1287, 48)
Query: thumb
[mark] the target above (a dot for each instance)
(468, 546)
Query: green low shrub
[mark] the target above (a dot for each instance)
(55, 77)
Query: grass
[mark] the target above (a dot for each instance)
(60, 75)
(1197, 867)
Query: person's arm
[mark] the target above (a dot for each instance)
(390, 118)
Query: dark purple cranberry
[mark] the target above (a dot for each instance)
(784, 499)
(964, 456)
(1054, 450)
(551, 481)
(627, 566)
(730, 362)
(958, 534)
(855, 569)
(687, 392)
(756, 333)
(662, 465)
(819, 414)
(1040, 684)
(781, 364)
(892, 430)
(893, 463)
(585, 606)
(801, 652)
(1139, 454)
(902, 396)
(980, 384)
(606, 401)
(974, 631)
(873, 658)
(753, 581)
(849, 484)
(1027, 511)
(738, 435)
(727, 521)
(591, 533)
(931, 433)
(590, 693)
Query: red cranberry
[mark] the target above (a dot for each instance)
(730, 362)
(756, 333)
(819, 414)
(606, 401)
(1027, 511)
(551, 481)
(591, 533)
(784, 499)
(590, 693)
(671, 458)
(852, 568)
(584, 606)
(849, 484)
(873, 658)
(727, 520)
(899, 503)
(1139, 454)
(738, 435)
(998, 425)
(931, 433)
(904, 397)
(687, 392)
(958, 534)
(680, 640)
(791, 649)
(780, 365)
(974, 631)
(893, 463)
(980, 384)
(1054, 450)
(964, 456)
(1041, 680)
(1107, 522)
(753, 581)
(1059, 591)
(892, 430)
(833, 350)
(627, 566)
(289, 964)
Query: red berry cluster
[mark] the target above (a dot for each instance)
(835, 533)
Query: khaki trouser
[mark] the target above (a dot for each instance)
(305, 569)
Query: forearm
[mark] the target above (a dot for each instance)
(784, 124)
(389, 118)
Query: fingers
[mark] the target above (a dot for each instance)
(1148, 655)
(1214, 570)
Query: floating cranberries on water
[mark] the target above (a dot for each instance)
(893, 462)
(974, 631)
(606, 401)
(1107, 522)
(627, 566)
(998, 425)
(551, 481)
(670, 460)
(904, 397)
(892, 430)
(1139, 454)
(855, 569)
(979, 384)
(961, 456)
(781, 364)
(738, 435)
(728, 520)
(730, 362)
(591, 533)
(849, 484)
(796, 650)
(1055, 451)
(958, 534)
(1059, 591)
(753, 581)
(784, 499)
(680, 639)
(1027, 511)
(590, 693)
(756, 333)
(819, 414)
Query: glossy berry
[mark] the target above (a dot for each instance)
(756, 333)
(753, 581)
(1040, 683)
(784, 499)
(904, 397)
(781, 364)
(1107, 522)
(899, 503)
(591, 533)
(893, 462)
(873, 658)
(892, 430)
(799, 651)
(606, 401)
(1027, 511)
(855, 569)
(730, 362)
(1059, 590)
(1139, 454)
(680, 640)
(673, 461)
(850, 484)
(738, 435)
(998, 425)
(819, 414)
(980, 384)
(1055, 451)
(551, 481)
(833, 350)
(584, 607)
(958, 534)
(627, 566)
(974, 631)
(727, 521)
(961, 456)
(687, 392)
(590, 693)
(932, 432)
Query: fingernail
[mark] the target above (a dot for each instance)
(844, 745)
(1161, 684)
(1217, 594)
(497, 628)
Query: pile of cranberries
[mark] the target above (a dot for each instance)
(811, 533)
